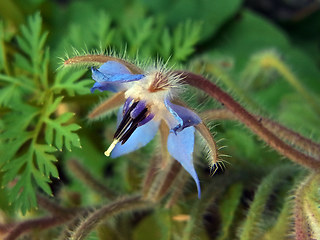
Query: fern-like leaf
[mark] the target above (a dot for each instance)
(38, 166)
(32, 42)
(68, 81)
(58, 131)
(184, 39)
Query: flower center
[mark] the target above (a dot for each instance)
(135, 114)
(159, 83)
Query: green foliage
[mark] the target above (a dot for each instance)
(228, 208)
(31, 103)
(58, 131)
(213, 14)
(272, 71)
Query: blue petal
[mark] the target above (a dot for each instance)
(140, 137)
(111, 77)
(180, 147)
(106, 87)
(112, 67)
(184, 116)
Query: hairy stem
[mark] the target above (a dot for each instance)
(301, 226)
(248, 119)
(77, 169)
(266, 188)
(178, 188)
(52, 207)
(150, 177)
(167, 180)
(281, 131)
(96, 60)
(307, 216)
(217, 71)
(40, 223)
(125, 204)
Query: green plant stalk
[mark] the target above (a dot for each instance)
(217, 72)
(211, 193)
(271, 61)
(250, 228)
(4, 57)
(44, 73)
(283, 225)
(228, 209)
(38, 127)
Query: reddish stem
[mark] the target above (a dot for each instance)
(40, 223)
(248, 119)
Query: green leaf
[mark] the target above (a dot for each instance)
(14, 135)
(17, 81)
(213, 13)
(34, 58)
(165, 44)
(18, 120)
(70, 82)
(9, 148)
(31, 169)
(32, 40)
(9, 94)
(185, 38)
(139, 34)
(146, 228)
(102, 32)
(296, 112)
(244, 38)
(58, 131)
(45, 160)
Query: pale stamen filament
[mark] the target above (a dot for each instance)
(111, 147)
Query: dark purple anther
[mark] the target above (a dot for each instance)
(135, 114)
(148, 118)
(127, 104)
(138, 109)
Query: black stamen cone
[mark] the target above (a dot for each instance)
(133, 126)
(125, 120)
(128, 125)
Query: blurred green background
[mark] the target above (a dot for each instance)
(265, 53)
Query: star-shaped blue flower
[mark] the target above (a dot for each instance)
(147, 103)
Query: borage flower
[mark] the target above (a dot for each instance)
(147, 104)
